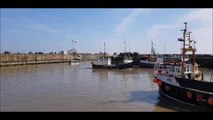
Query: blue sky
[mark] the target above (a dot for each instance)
(47, 30)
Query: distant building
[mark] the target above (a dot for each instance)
(7, 52)
(40, 53)
(84, 53)
(62, 52)
(51, 53)
(30, 52)
(72, 51)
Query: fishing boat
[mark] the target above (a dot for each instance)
(127, 59)
(149, 61)
(75, 60)
(181, 79)
(103, 62)
(106, 62)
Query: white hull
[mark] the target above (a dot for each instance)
(128, 61)
(147, 62)
(74, 63)
(167, 79)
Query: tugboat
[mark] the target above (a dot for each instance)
(181, 80)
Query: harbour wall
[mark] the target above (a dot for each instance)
(205, 61)
(22, 59)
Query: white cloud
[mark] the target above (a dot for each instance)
(128, 20)
(203, 36)
(156, 30)
(200, 15)
(36, 26)
(199, 22)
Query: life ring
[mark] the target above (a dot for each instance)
(159, 83)
(210, 101)
(199, 98)
(155, 80)
(167, 87)
(189, 94)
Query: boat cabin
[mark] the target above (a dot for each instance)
(105, 61)
(175, 70)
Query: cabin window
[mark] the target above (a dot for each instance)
(169, 69)
(178, 70)
(156, 67)
(188, 69)
(173, 69)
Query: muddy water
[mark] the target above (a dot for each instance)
(61, 87)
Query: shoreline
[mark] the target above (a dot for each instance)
(31, 59)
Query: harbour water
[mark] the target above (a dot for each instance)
(62, 87)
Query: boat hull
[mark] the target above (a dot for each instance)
(74, 62)
(125, 65)
(113, 66)
(195, 84)
(146, 65)
(185, 95)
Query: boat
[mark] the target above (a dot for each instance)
(75, 60)
(181, 79)
(146, 64)
(106, 62)
(149, 61)
(103, 62)
(127, 59)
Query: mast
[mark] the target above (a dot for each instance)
(164, 48)
(104, 49)
(129, 48)
(152, 49)
(184, 43)
(187, 47)
(74, 49)
(125, 49)
(125, 45)
(183, 49)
